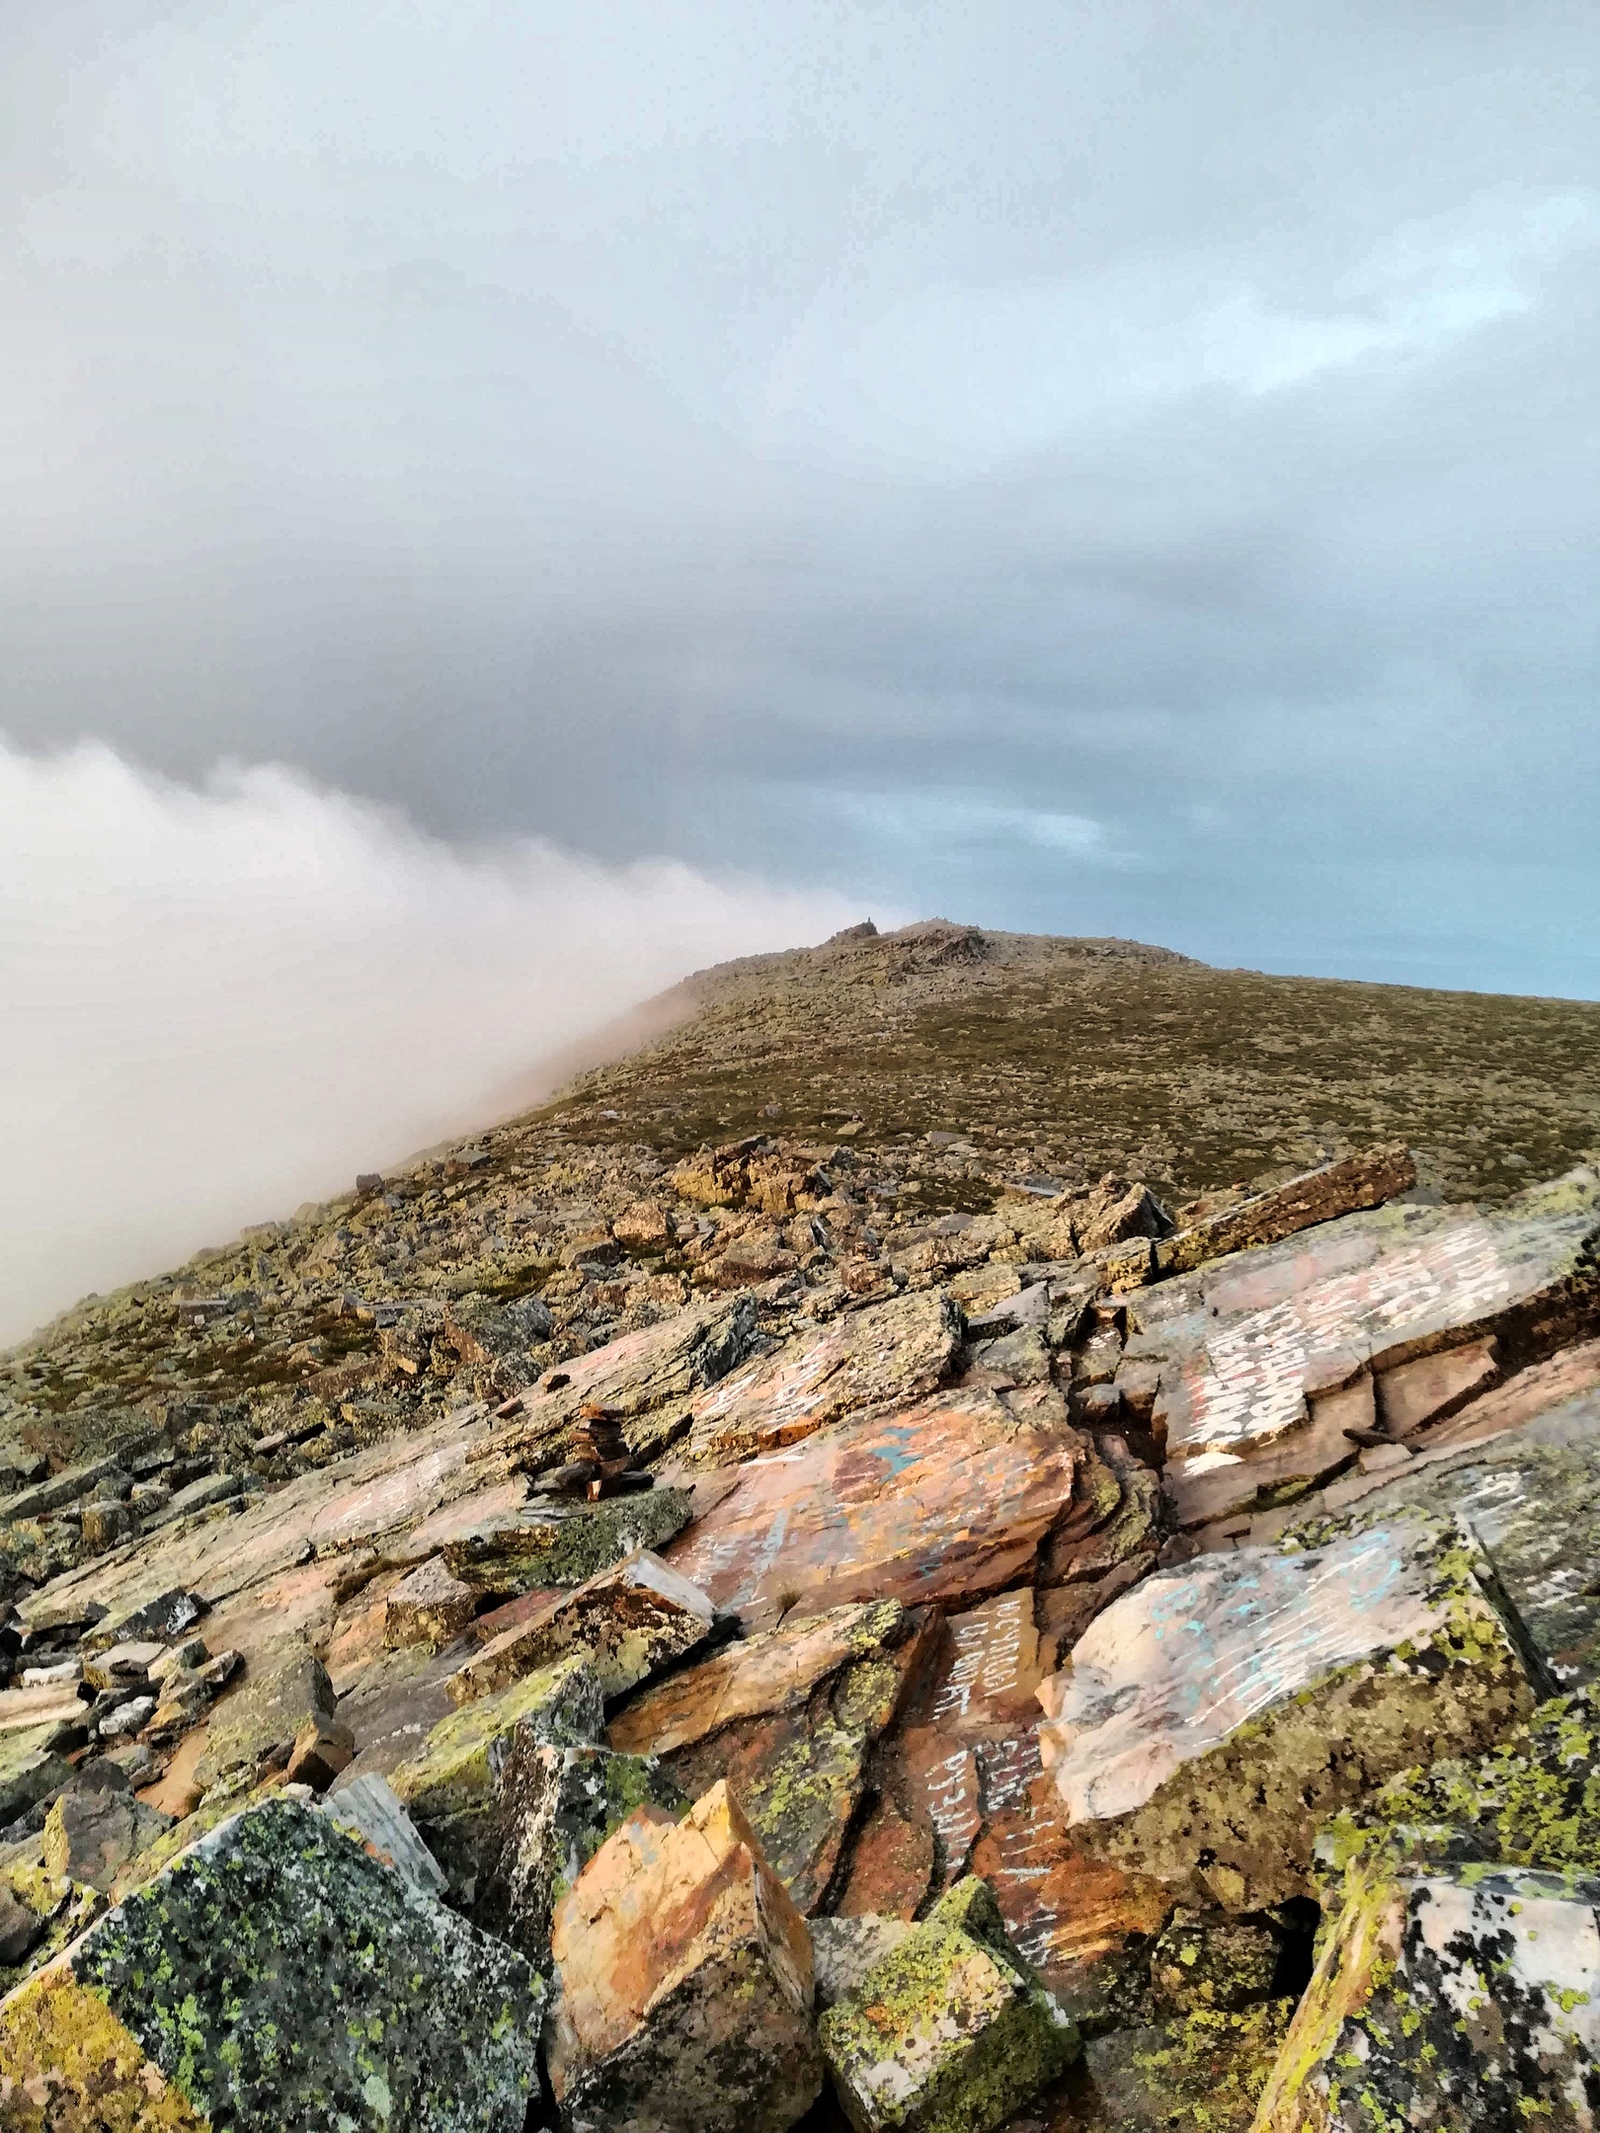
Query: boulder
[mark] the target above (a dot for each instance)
(31, 1768)
(888, 1353)
(1531, 1497)
(790, 1719)
(945, 1501)
(451, 1785)
(843, 1950)
(1211, 1718)
(950, 2032)
(629, 1620)
(275, 1975)
(684, 1983)
(368, 1810)
(554, 1808)
(1449, 2000)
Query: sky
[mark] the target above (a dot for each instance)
(1100, 468)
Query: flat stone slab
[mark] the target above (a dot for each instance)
(1211, 1718)
(946, 1501)
(276, 1975)
(1531, 1497)
(649, 1377)
(1248, 1346)
(891, 1352)
(755, 1677)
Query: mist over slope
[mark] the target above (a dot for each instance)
(952, 1072)
(222, 1000)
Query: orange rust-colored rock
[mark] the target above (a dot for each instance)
(891, 1865)
(685, 1982)
(946, 1501)
(749, 1679)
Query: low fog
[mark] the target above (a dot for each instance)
(220, 1001)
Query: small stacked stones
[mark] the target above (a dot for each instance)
(601, 1462)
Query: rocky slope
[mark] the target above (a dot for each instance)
(847, 1568)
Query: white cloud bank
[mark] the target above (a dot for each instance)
(219, 1002)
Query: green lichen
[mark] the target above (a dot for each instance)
(456, 1768)
(1210, 2066)
(1533, 1801)
(950, 2032)
(569, 1545)
(277, 1976)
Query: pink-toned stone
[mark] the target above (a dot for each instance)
(1431, 1387)
(990, 1665)
(946, 1501)
(895, 1351)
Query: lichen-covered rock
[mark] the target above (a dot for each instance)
(1207, 1961)
(451, 1785)
(255, 1728)
(649, 1376)
(40, 1914)
(950, 2032)
(793, 1734)
(1532, 1801)
(1531, 1496)
(844, 1950)
(550, 1543)
(1452, 2000)
(31, 1768)
(1210, 1719)
(684, 1983)
(554, 1808)
(275, 1975)
(629, 1620)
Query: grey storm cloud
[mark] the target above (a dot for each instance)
(1101, 467)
